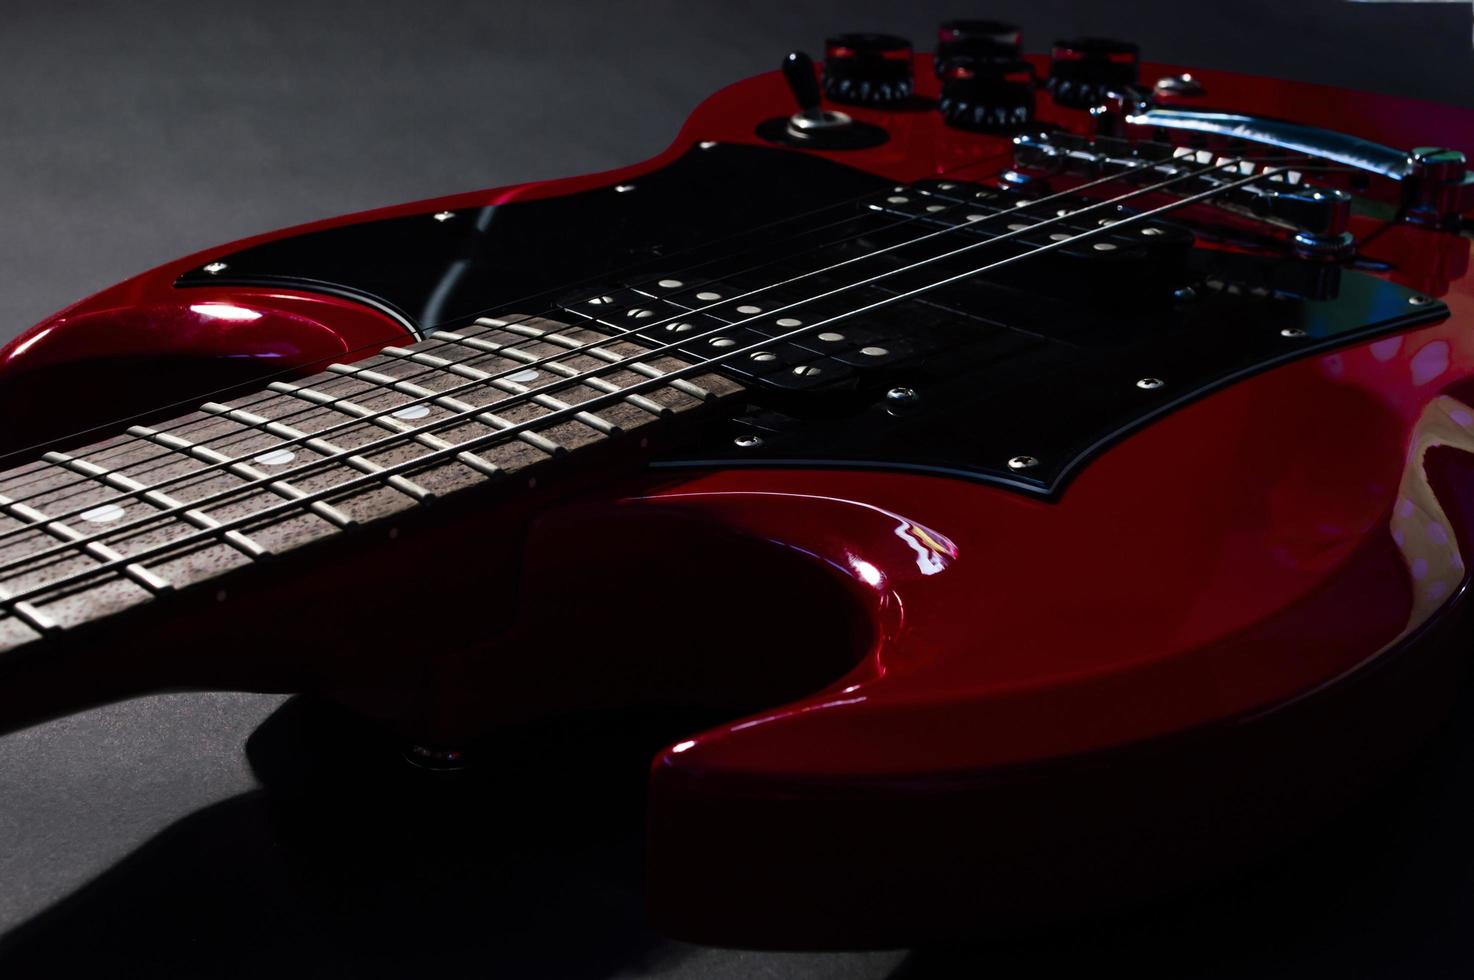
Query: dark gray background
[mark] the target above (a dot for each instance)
(133, 133)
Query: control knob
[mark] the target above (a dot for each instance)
(867, 69)
(1082, 71)
(986, 86)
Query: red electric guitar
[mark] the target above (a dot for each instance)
(1051, 474)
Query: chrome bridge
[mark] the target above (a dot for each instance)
(1314, 216)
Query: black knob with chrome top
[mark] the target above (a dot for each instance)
(989, 39)
(1082, 71)
(868, 69)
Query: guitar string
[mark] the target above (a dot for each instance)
(284, 373)
(447, 454)
(562, 354)
(41, 470)
(165, 458)
(466, 416)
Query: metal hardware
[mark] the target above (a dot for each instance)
(1419, 300)
(1183, 85)
(214, 268)
(1022, 463)
(1149, 384)
(1294, 333)
(1184, 294)
(1319, 214)
(1437, 186)
(748, 441)
(435, 760)
(444, 215)
(624, 188)
(707, 144)
(902, 396)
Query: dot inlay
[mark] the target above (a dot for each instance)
(102, 514)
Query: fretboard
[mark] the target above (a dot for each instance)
(95, 530)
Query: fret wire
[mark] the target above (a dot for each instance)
(94, 549)
(1071, 191)
(709, 362)
(158, 498)
(29, 614)
(407, 487)
(163, 457)
(465, 411)
(639, 401)
(1074, 190)
(600, 425)
(237, 468)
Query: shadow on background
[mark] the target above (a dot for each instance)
(349, 862)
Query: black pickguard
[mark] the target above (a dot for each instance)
(988, 356)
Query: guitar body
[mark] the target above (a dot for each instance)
(944, 698)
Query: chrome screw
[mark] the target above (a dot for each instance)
(748, 441)
(215, 267)
(1022, 463)
(1184, 293)
(1149, 384)
(902, 396)
(624, 188)
(1294, 333)
(1420, 300)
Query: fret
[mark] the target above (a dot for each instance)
(158, 498)
(555, 367)
(236, 467)
(407, 487)
(65, 532)
(205, 510)
(30, 615)
(602, 353)
(491, 420)
(476, 374)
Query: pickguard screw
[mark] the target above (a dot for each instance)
(1148, 384)
(1023, 463)
(748, 441)
(902, 396)
(708, 144)
(215, 267)
(1184, 293)
(1294, 333)
(1420, 300)
(624, 188)
(444, 215)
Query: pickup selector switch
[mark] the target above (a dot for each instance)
(1082, 71)
(867, 69)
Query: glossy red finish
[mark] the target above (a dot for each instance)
(1237, 604)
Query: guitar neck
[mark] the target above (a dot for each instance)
(100, 529)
